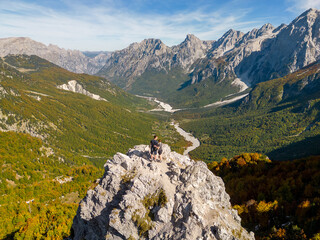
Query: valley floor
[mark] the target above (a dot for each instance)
(195, 142)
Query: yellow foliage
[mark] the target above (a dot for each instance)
(266, 206)
(224, 160)
(212, 165)
(305, 204)
(241, 209)
(316, 236)
(281, 233)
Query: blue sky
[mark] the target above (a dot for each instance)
(114, 24)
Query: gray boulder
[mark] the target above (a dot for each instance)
(177, 198)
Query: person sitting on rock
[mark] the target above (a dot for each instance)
(160, 150)
(154, 146)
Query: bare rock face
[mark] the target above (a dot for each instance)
(76, 87)
(256, 56)
(134, 60)
(137, 198)
(72, 60)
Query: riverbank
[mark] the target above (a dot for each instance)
(195, 142)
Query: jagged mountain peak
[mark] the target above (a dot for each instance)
(310, 12)
(279, 28)
(231, 34)
(307, 18)
(191, 38)
(227, 42)
(152, 41)
(191, 41)
(176, 198)
(149, 44)
(266, 28)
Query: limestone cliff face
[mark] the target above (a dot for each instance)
(137, 198)
(76, 87)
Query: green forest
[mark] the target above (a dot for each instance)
(44, 176)
(33, 204)
(279, 118)
(54, 143)
(275, 199)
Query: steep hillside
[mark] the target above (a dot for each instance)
(276, 199)
(280, 118)
(39, 190)
(197, 73)
(302, 85)
(33, 102)
(57, 129)
(72, 60)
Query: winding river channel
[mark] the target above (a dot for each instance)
(187, 136)
(195, 142)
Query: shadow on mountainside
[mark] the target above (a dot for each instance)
(304, 148)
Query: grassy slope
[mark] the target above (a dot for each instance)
(77, 123)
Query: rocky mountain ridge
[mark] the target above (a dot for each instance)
(72, 60)
(177, 198)
(257, 56)
(134, 60)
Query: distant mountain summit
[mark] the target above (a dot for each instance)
(195, 72)
(72, 60)
(199, 72)
(127, 64)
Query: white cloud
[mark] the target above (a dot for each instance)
(109, 28)
(297, 6)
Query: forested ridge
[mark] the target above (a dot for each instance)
(279, 118)
(275, 199)
(54, 143)
(34, 204)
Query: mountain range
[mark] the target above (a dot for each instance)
(59, 125)
(196, 72)
(72, 60)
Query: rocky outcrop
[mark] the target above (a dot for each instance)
(76, 87)
(177, 198)
(72, 60)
